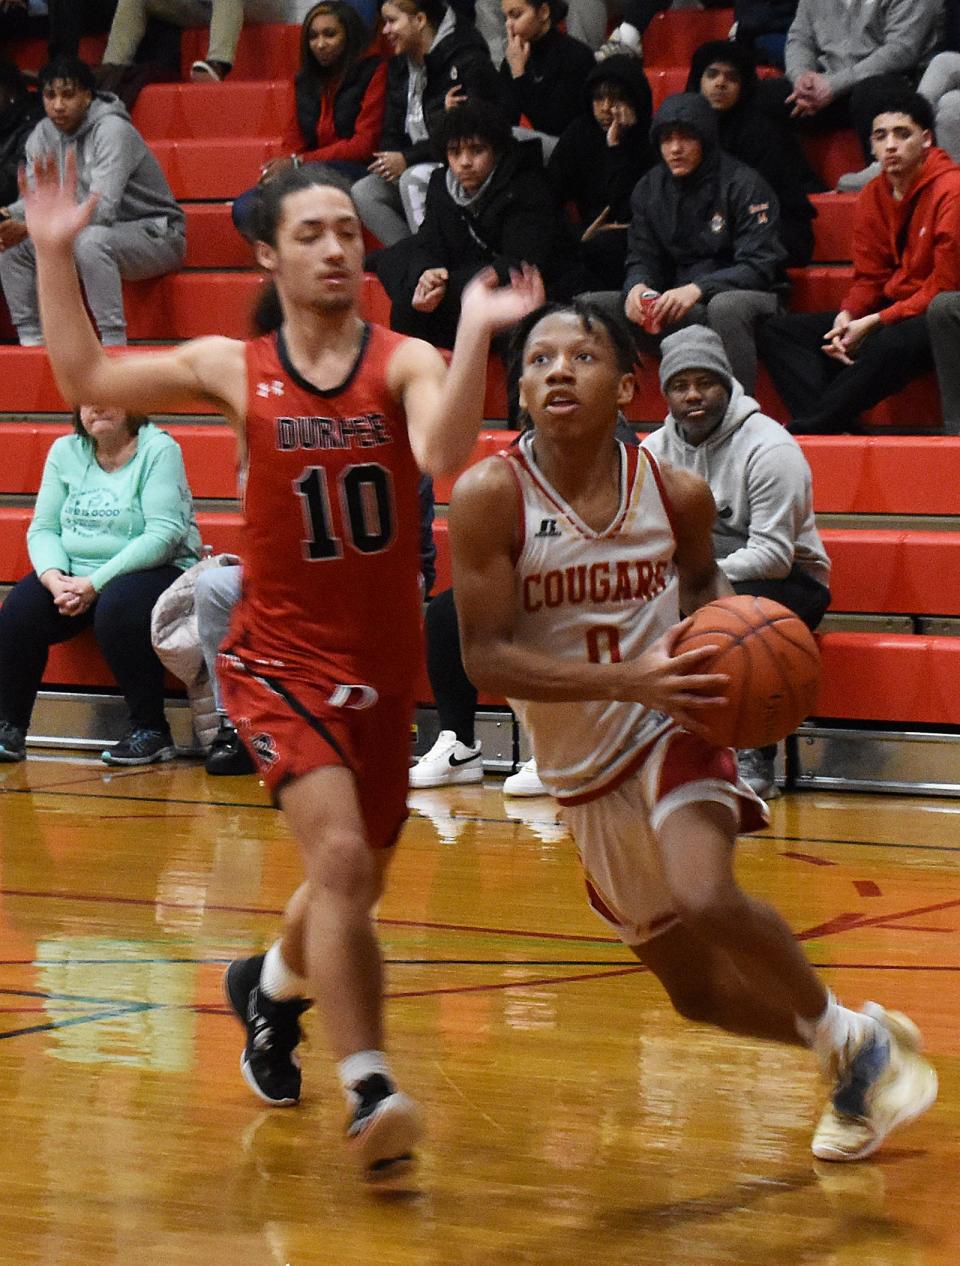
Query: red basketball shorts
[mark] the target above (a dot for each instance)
(292, 726)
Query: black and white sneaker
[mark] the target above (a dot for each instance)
(385, 1127)
(141, 747)
(269, 1062)
(13, 743)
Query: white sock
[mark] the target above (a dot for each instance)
(834, 1029)
(628, 34)
(277, 980)
(360, 1065)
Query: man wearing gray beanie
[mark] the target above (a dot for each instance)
(765, 536)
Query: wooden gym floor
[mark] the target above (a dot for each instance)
(572, 1118)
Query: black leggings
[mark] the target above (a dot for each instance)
(30, 624)
(453, 690)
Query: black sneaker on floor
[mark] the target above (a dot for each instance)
(227, 755)
(385, 1126)
(141, 747)
(269, 1061)
(13, 743)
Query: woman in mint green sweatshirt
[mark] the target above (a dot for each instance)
(112, 528)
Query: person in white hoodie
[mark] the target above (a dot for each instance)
(764, 535)
(137, 229)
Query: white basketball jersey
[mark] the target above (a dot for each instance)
(598, 596)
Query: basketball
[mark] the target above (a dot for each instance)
(773, 664)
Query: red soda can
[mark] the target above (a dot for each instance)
(647, 319)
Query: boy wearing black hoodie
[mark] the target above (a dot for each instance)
(705, 236)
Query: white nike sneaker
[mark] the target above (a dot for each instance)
(884, 1083)
(448, 763)
(525, 782)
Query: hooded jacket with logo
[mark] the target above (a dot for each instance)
(907, 251)
(718, 227)
(113, 161)
(762, 485)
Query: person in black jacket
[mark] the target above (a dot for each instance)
(339, 95)
(19, 115)
(725, 75)
(490, 206)
(437, 55)
(704, 234)
(543, 68)
(599, 159)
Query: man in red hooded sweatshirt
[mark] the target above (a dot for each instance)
(829, 366)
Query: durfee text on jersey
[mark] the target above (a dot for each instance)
(331, 522)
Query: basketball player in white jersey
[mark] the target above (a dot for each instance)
(573, 558)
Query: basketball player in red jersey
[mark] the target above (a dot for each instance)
(335, 417)
(573, 556)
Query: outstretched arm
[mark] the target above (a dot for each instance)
(444, 407)
(210, 369)
(483, 531)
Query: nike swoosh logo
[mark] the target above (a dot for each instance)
(464, 761)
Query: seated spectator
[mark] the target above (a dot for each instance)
(112, 528)
(829, 366)
(762, 27)
(19, 114)
(136, 228)
(765, 536)
(725, 74)
(599, 159)
(490, 206)
(339, 96)
(543, 68)
(705, 236)
(224, 18)
(844, 59)
(436, 52)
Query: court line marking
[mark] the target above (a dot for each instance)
(839, 923)
(774, 838)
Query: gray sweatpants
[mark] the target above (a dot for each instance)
(731, 313)
(941, 87)
(224, 17)
(943, 322)
(216, 593)
(393, 210)
(105, 254)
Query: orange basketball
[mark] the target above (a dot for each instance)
(773, 664)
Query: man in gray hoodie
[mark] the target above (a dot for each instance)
(137, 228)
(765, 536)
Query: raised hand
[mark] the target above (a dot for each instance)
(54, 217)
(498, 307)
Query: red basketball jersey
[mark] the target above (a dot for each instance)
(331, 530)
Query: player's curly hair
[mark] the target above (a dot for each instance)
(590, 314)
